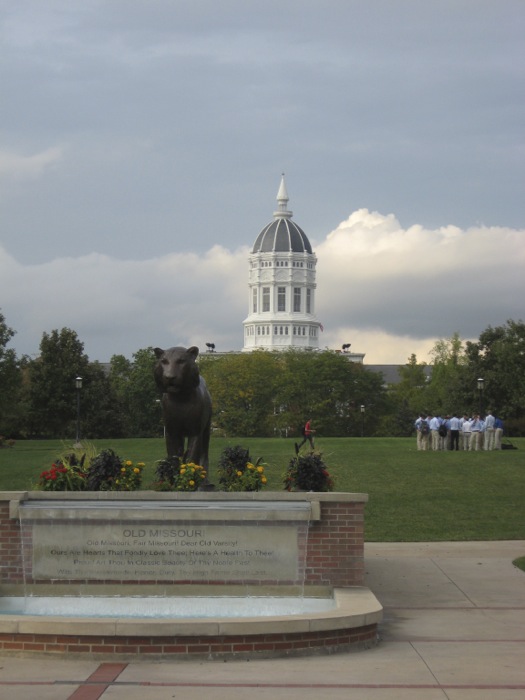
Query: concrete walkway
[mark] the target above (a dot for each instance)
(454, 628)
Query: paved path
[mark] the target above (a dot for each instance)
(454, 629)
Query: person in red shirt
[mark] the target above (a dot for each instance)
(308, 436)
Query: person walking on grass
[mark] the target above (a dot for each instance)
(307, 436)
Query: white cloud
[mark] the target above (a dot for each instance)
(120, 306)
(387, 290)
(419, 283)
(20, 166)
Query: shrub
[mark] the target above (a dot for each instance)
(174, 475)
(63, 477)
(68, 472)
(73, 456)
(107, 472)
(308, 473)
(237, 472)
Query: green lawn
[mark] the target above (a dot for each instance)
(413, 496)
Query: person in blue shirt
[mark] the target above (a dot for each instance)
(498, 433)
(476, 432)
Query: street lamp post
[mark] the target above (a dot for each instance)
(362, 420)
(78, 385)
(480, 389)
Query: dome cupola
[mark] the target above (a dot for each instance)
(282, 235)
(281, 286)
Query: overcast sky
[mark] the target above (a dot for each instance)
(142, 144)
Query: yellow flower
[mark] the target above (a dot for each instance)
(264, 480)
(203, 475)
(123, 470)
(141, 465)
(192, 483)
(239, 473)
(260, 469)
(128, 463)
(136, 470)
(250, 466)
(183, 470)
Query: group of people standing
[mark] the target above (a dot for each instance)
(453, 433)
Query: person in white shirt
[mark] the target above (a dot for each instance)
(423, 432)
(476, 430)
(490, 427)
(434, 432)
(454, 426)
(465, 432)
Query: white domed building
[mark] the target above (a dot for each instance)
(281, 302)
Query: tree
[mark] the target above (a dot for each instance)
(137, 401)
(144, 413)
(331, 390)
(11, 383)
(119, 379)
(243, 389)
(52, 393)
(408, 399)
(499, 359)
(272, 393)
(446, 389)
(101, 416)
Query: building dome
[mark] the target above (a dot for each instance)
(282, 236)
(281, 286)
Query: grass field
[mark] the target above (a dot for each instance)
(413, 496)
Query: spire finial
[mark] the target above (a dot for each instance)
(282, 201)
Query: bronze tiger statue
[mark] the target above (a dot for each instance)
(186, 404)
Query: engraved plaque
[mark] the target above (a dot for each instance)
(156, 551)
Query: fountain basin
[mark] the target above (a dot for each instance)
(277, 544)
(351, 623)
(156, 607)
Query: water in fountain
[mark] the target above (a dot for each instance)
(81, 548)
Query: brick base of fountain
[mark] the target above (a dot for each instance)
(203, 544)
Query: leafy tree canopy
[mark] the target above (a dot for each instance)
(10, 382)
(52, 383)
